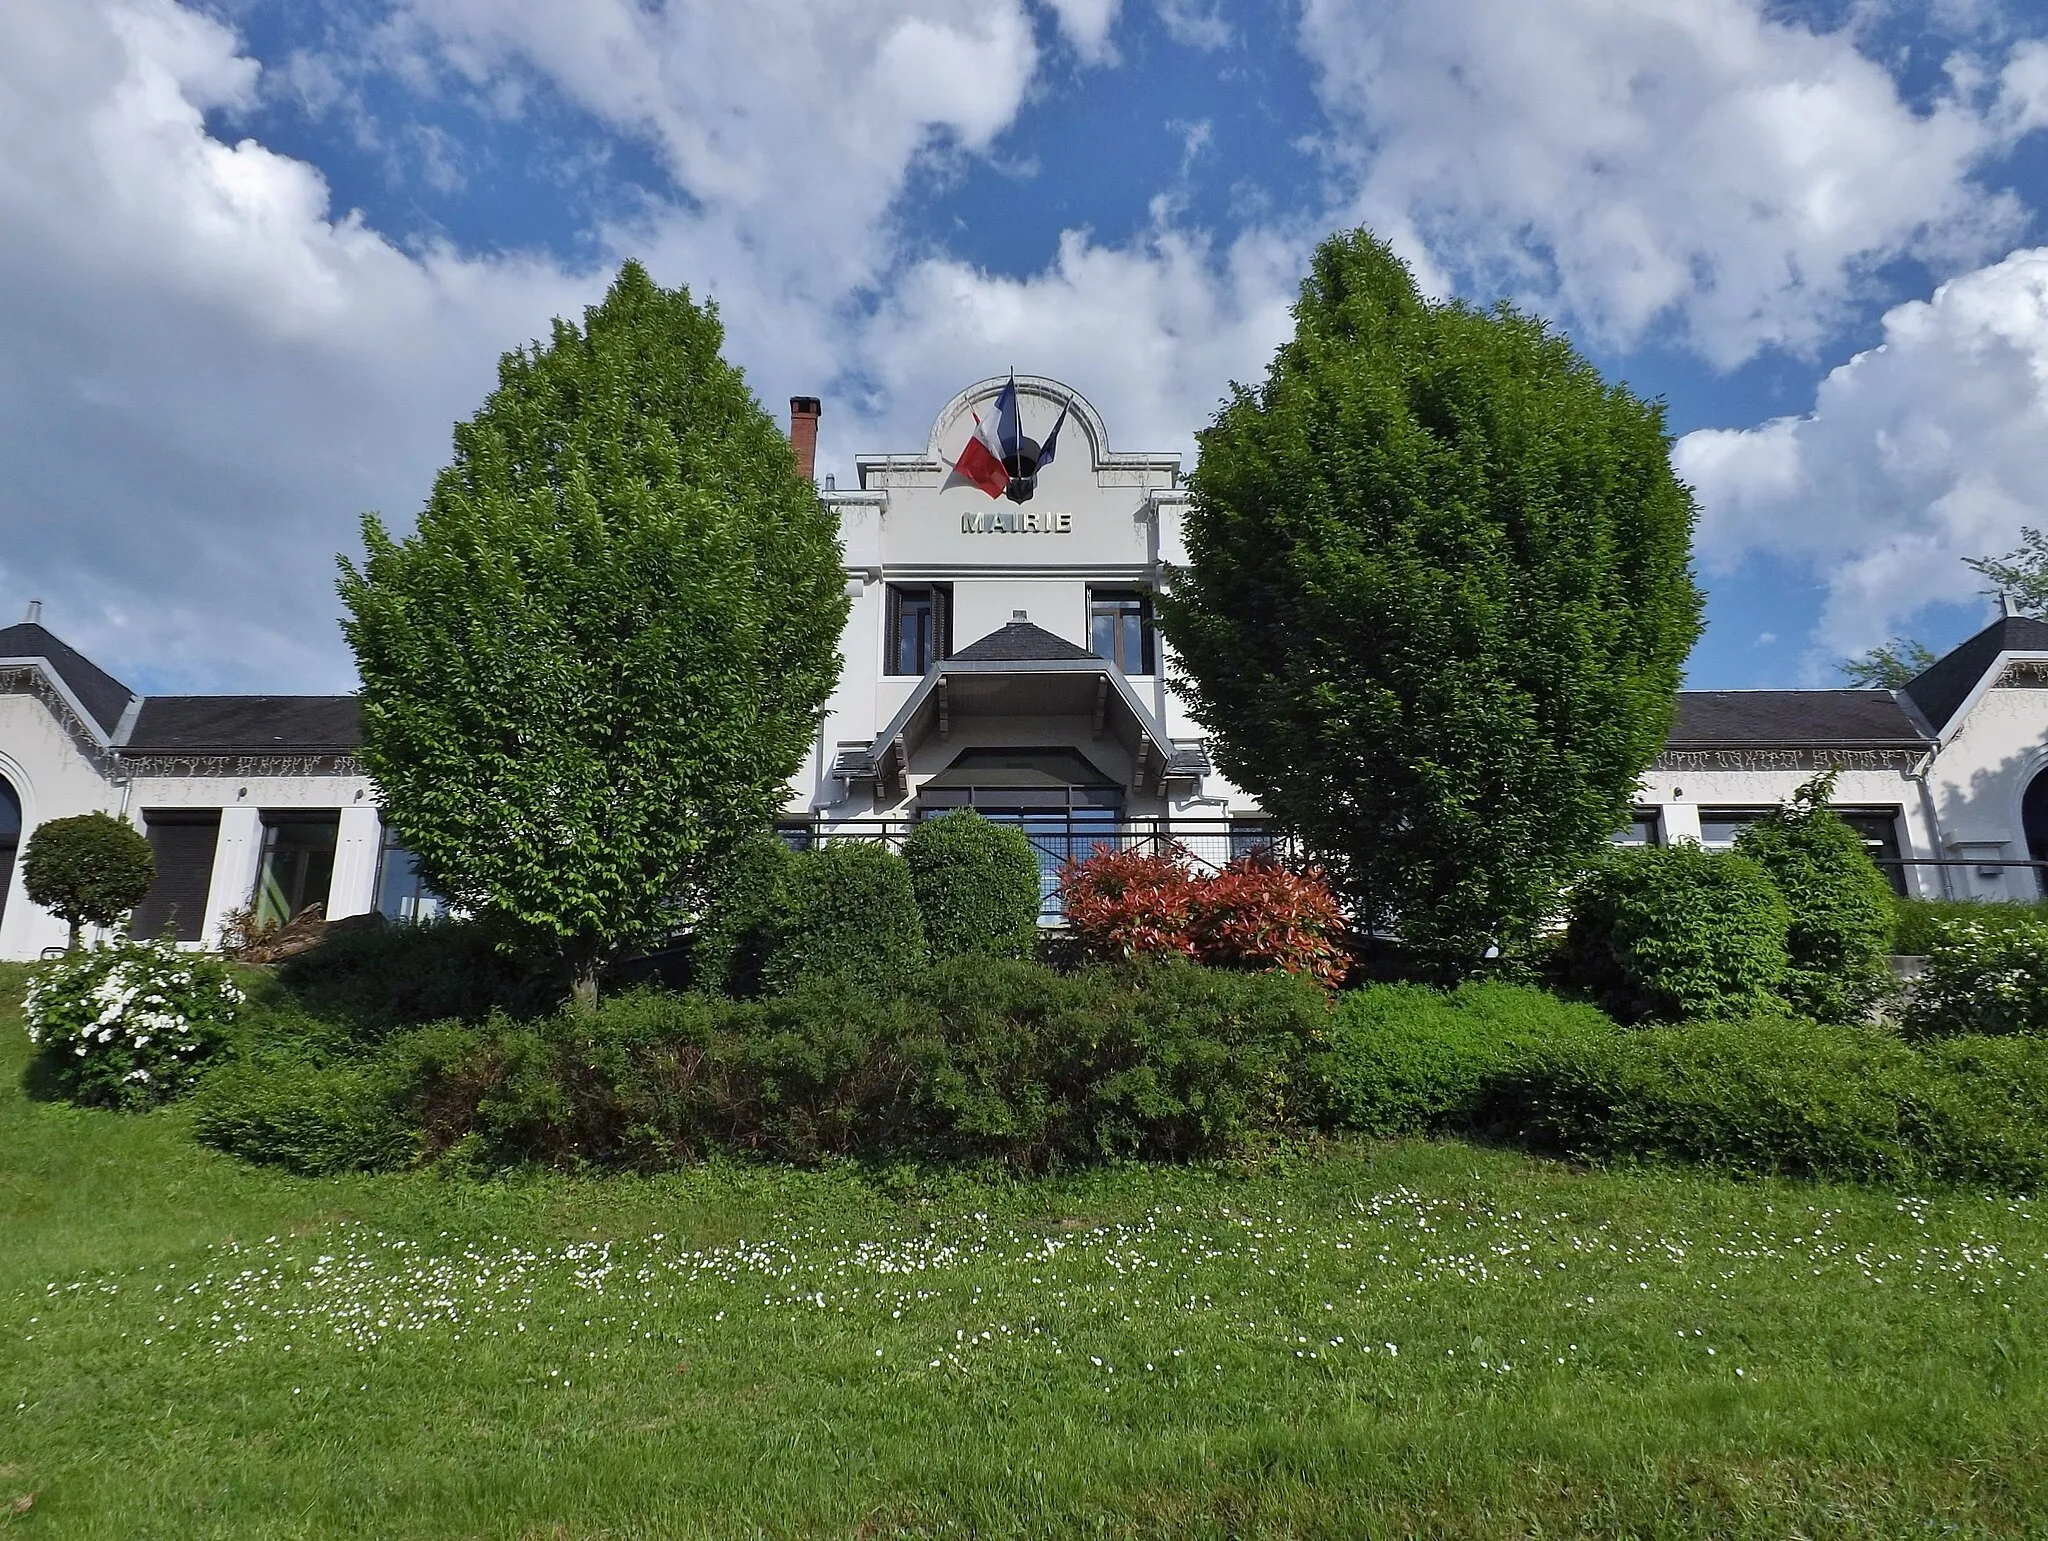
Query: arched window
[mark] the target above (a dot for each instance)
(2034, 821)
(10, 837)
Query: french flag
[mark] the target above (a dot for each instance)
(982, 461)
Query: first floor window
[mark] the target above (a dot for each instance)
(1720, 826)
(1878, 828)
(1120, 628)
(402, 894)
(1641, 829)
(298, 864)
(183, 842)
(920, 625)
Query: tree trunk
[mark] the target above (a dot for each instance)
(583, 986)
(72, 945)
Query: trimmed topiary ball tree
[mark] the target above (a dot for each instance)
(1842, 910)
(1677, 932)
(976, 885)
(728, 948)
(594, 666)
(845, 909)
(88, 870)
(1436, 602)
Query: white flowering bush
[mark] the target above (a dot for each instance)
(1981, 979)
(129, 1026)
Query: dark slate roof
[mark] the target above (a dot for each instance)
(1020, 642)
(1948, 681)
(104, 697)
(1717, 718)
(247, 725)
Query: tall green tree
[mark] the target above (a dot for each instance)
(592, 668)
(1436, 602)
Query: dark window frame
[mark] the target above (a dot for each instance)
(931, 600)
(275, 823)
(1118, 605)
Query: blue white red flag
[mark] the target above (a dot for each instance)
(1051, 440)
(981, 463)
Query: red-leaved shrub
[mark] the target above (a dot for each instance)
(1258, 914)
(1254, 914)
(1130, 904)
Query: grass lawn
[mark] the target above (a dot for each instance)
(1370, 1341)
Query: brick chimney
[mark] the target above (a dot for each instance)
(803, 433)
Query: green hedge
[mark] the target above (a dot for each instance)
(729, 947)
(1676, 932)
(1792, 1098)
(981, 1060)
(1981, 978)
(976, 885)
(1918, 922)
(845, 909)
(309, 1118)
(1410, 1059)
(1840, 905)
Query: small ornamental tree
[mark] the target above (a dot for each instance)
(88, 870)
(1841, 905)
(590, 671)
(1436, 602)
(976, 884)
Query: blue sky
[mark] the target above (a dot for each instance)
(257, 256)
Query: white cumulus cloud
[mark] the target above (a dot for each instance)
(1693, 163)
(1922, 451)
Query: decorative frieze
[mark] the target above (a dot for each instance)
(246, 766)
(28, 680)
(2023, 674)
(1698, 760)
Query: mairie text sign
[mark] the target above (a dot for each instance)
(1016, 521)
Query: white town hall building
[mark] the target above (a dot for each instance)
(1000, 655)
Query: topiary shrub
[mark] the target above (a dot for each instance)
(1678, 932)
(845, 908)
(1981, 978)
(976, 885)
(729, 947)
(1410, 1059)
(87, 871)
(1841, 906)
(132, 1025)
(1794, 1098)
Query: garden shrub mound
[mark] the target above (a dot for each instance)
(129, 1026)
(980, 1060)
(1981, 978)
(847, 909)
(1792, 1098)
(729, 947)
(1840, 905)
(371, 978)
(313, 1119)
(1412, 1059)
(976, 885)
(1676, 932)
(1919, 922)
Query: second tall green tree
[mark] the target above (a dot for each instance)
(1436, 602)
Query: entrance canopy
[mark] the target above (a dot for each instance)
(1023, 673)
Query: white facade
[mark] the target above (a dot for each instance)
(998, 654)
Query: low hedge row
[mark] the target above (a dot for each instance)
(981, 1059)
(985, 1060)
(1791, 1098)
